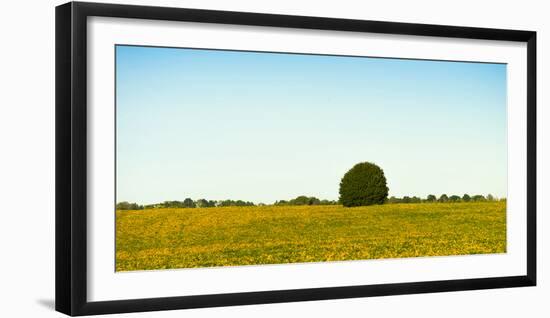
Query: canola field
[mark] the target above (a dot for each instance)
(233, 236)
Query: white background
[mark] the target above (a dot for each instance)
(27, 159)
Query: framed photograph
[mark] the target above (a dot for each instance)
(213, 158)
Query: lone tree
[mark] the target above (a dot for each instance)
(364, 184)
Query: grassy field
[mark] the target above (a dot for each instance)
(229, 236)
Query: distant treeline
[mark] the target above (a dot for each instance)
(187, 203)
(300, 200)
(444, 198)
(305, 200)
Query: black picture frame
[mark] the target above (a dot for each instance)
(71, 157)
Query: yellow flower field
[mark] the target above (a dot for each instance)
(232, 236)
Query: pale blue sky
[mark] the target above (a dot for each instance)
(267, 126)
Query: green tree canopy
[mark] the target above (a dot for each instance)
(431, 198)
(478, 198)
(364, 184)
(454, 198)
(189, 203)
(125, 205)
